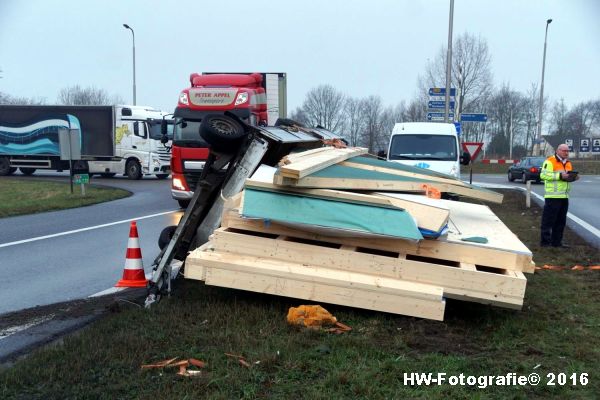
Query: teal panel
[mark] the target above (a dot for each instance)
(339, 171)
(330, 214)
(397, 166)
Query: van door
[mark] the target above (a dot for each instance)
(141, 143)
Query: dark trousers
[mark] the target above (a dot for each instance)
(554, 220)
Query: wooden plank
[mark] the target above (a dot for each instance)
(232, 276)
(468, 266)
(454, 280)
(385, 185)
(294, 157)
(316, 162)
(454, 250)
(392, 171)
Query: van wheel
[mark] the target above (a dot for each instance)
(133, 170)
(165, 236)
(223, 133)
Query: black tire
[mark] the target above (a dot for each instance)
(511, 178)
(287, 122)
(27, 171)
(162, 176)
(133, 170)
(165, 236)
(221, 132)
(183, 203)
(524, 178)
(106, 174)
(5, 168)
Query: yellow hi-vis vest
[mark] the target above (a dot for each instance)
(554, 187)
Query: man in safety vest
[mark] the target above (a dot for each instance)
(557, 184)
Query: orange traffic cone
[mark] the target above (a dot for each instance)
(133, 273)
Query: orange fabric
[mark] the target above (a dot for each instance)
(558, 166)
(310, 316)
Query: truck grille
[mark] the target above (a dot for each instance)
(163, 154)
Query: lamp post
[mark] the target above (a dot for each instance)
(449, 63)
(539, 135)
(133, 36)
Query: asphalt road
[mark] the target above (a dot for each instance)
(584, 204)
(70, 254)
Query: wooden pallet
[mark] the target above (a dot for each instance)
(461, 281)
(452, 249)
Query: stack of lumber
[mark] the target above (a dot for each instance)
(330, 225)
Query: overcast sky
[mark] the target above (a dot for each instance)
(361, 47)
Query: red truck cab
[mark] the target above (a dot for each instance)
(242, 95)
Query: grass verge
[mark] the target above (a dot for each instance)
(556, 332)
(19, 196)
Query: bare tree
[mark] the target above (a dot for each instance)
(372, 136)
(354, 116)
(5, 98)
(76, 95)
(471, 74)
(324, 106)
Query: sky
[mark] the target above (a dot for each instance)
(360, 47)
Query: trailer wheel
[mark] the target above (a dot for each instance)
(5, 168)
(133, 170)
(165, 236)
(27, 171)
(223, 133)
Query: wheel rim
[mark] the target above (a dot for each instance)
(223, 127)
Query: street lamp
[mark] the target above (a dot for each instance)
(449, 63)
(133, 36)
(539, 144)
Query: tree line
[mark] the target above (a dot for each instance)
(72, 95)
(512, 124)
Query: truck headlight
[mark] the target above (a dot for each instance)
(183, 98)
(241, 98)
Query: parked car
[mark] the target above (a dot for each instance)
(528, 169)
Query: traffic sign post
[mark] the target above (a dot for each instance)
(438, 116)
(595, 145)
(440, 104)
(473, 117)
(584, 145)
(81, 179)
(473, 148)
(441, 92)
(569, 143)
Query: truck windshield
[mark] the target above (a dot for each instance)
(155, 129)
(186, 133)
(423, 147)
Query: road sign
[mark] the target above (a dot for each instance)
(458, 128)
(596, 145)
(441, 91)
(584, 145)
(569, 142)
(440, 104)
(81, 178)
(439, 116)
(466, 117)
(473, 148)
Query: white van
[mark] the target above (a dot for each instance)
(428, 145)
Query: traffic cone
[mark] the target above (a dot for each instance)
(133, 273)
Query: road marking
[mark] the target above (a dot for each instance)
(84, 229)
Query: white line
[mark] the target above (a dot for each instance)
(83, 229)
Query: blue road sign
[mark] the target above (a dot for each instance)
(458, 128)
(596, 145)
(440, 104)
(473, 117)
(436, 91)
(438, 116)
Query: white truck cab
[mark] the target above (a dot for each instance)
(137, 145)
(429, 145)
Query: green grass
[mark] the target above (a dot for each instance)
(557, 331)
(28, 196)
(584, 166)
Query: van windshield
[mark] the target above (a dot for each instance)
(423, 147)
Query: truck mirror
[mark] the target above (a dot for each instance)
(465, 159)
(163, 127)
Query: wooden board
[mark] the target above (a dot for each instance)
(449, 249)
(302, 166)
(348, 178)
(255, 275)
(463, 282)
